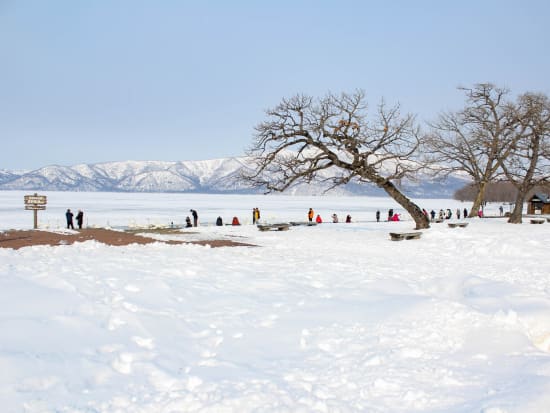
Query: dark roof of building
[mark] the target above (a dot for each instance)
(544, 198)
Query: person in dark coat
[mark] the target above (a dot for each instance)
(69, 215)
(195, 217)
(219, 222)
(465, 213)
(188, 222)
(79, 218)
(377, 216)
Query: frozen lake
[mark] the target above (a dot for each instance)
(128, 209)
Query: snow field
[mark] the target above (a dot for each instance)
(332, 318)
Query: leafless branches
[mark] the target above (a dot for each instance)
(335, 139)
(472, 140)
(303, 137)
(338, 139)
(494, 138)
(528, 162)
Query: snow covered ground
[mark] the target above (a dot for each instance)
(332, 318)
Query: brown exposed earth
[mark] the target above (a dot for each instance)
(18, 239)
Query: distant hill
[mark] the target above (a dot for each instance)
(209, 176)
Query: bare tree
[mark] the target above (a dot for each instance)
(528, 164)
(306, 139)
(472, 140)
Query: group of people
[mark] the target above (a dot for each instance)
(195, 216)
(335, 218)
(319, 220)
(445, 214)
(235, 221)
(441, 215)
(256, 218)
(219, 220)
(391, 216)
(79, 219)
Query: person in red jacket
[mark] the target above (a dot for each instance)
(319, 220)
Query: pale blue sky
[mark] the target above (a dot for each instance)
(94, 81)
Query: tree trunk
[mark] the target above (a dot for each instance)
(420, 219)
(479, 199)
(517, 212)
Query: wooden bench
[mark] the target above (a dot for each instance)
(274, 227)
(458, 224)
(537, 221)
(400, 236)
(306, 223)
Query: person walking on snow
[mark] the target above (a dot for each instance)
(310, 214)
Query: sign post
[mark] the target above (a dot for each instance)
(34, 203)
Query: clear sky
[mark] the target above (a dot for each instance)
(106, 80)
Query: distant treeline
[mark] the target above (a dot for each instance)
(496, 192)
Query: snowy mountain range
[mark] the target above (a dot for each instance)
(209, 176)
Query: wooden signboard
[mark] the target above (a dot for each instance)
(35, 203)
(35, 207)
(36, 199)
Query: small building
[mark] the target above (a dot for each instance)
(539, 204)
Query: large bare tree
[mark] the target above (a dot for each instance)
(472, 140)
(528, 164)
(305, 139)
